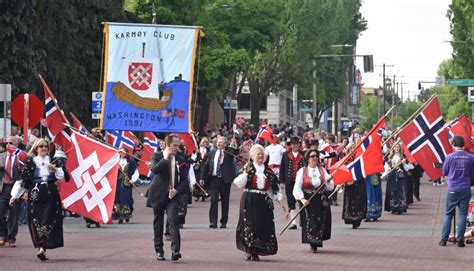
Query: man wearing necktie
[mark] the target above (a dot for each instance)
(9, 171)
(167, 185)
(218, 172)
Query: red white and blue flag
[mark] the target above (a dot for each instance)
(367, 158)
(78, 125)
(16, 152)
(426, 138)
(150, 145)
(266, 133)
(56, 121)
(121, 139)
(461, 126)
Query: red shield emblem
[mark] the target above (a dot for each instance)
(140, 75)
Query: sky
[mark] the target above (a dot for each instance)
(409, 35)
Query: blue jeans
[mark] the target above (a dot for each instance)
(457, 198)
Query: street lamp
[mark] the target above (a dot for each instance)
(315, 104)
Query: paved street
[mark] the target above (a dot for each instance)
(404, 242)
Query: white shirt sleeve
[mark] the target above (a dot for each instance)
(241, 180)
(330, 184)
(192, 176)
(297, 191)
(59, 174)
(17, 189)
(408, 166)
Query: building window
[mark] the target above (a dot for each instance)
(244, 102)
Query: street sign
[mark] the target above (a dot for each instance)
(95, 116)
(226, 104)
(233, 104)
(36, 110)
(470, 94)
(440, 82)
(306, 110)
(461, 82)
(96, 102)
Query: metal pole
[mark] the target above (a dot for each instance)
(383, 95)
(378, 103)
(315, 105)
(295, 105)
(5, 112)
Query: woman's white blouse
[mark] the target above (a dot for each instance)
(241, 180)
(42, 164)
(315, 181)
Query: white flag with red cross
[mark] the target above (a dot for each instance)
(93, 167)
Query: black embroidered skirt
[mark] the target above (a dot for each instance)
(316, 220)
(256, 228)
(45, 219)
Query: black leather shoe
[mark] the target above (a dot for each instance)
(223, 226)
(175, 256)
(42, 255)
(443, 242)
(254, 258)
(461, 243)
(292, 227)
(214, 226)
(160, 256)
(314, 248)
(248, 256)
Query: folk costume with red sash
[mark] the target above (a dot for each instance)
(316, 217)
(290, 164)
(256, 228)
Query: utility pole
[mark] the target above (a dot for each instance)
(315, 104)
(384, 86)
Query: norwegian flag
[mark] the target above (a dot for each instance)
(408, 155)
(266, 133)
(427, 139)
(78, 124)
(461, 126)
(94, 170)
(121, 139)
(14, 151)
(367, 158)
(55, 118)
(150, 145)
(188, 142)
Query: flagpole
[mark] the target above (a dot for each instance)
(414, 115)
(105, 143)
(340, 186)
(128, 179)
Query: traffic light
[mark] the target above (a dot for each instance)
(419, 86)
(368, 63)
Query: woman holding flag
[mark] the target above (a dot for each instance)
(123, 204)
(396, 168)
(316, 217)
(45, 219)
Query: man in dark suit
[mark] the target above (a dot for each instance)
(219, 172)
(167, 185)
(9, 174)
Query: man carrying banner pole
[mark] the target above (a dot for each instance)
(167, 185)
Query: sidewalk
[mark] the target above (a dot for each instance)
(395, 242)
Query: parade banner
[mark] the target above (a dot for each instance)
(148, 75)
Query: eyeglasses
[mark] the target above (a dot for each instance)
(42, 146)
(8, 143)
(313, 156)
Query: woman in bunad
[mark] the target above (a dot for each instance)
(256, 229)
(45, 218)
(374, 197)
(316, 217)
(395, 174)
(123, 204)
